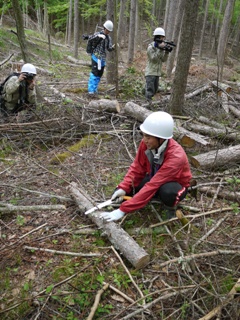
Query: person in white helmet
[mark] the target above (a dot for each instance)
(160, 170)
(101, 41)
(157, 53)
(19, 91)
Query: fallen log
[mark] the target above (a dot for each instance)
(234, 110)
(82, 62)
(227, 195)
(221, 86)
(217, 158)
(120, 239)
(222, 134)
(182, 135)
(105, 105)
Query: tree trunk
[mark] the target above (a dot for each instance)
(69, 25)
(223, 37)
(175, 38)
(120, 239)
(112, 57)
(131, 32)
(184, 57)
(203, 29)
(121, 24)
(76, 28)
(20, 30)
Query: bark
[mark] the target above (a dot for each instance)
(105, 105)
(217, 158)
(232, 196)
(221, 134)
(131, 32)
(76, 28)
(184, 57)
(112, 57)
(120, 239)
(20, 30)
(203, 29)
(223, 37)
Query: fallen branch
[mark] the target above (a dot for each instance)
(235, 290)
(198, 255)
(75, 254)
(96, 302)
(6, 207)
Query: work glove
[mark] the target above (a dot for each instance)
(168, 48)
(102, 36)
(112, 216)
(117, 197)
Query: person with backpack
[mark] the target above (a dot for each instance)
(99, 43)
(160, 170)
(157, 53)
(18, 92)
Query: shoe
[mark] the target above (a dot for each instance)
(168, 212)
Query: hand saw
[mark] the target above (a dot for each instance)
(104, 204)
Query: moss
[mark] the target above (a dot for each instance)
(84, 142)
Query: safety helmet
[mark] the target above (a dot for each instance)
(29, 68)
(159, 32)
(158, 124)
(108, 25)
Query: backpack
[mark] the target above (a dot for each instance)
(90, 46)
(2, 102)
(4, 81)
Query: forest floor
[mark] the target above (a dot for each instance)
(192, 269)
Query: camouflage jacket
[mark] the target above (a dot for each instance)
(11, 93)
(155, 58)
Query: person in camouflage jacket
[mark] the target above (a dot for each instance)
(156, 55)
(19, 91)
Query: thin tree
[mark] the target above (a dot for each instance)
(203, 29)
(76, 28)
(20, 30)
(184, 56)
(111, 73)
(131, 31)
(175, 37)
(121, 22)
(223, 37)
(69, 24)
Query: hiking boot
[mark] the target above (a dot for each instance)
(168, 212)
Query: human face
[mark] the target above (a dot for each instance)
(151, 142)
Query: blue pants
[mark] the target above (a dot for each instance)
(95, 75)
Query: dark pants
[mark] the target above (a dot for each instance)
(170, 193)
(152, 83)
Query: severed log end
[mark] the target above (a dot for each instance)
(105, 104)
(186, 141)
(194, 162)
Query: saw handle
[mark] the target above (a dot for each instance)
(126, 197)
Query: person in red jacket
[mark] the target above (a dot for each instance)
(160, 170)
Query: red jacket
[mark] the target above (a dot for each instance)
(175, 167)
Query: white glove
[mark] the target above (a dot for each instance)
(102, 36)
(117, 196)
(112, 216)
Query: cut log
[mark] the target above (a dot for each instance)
(120, 239)
(182, 135)
(234, 110)
(232, 196)
(226, 134)
(105, 105)
(82, 62)
(217, 158)
(197, 91)
(222, 86)
(225, 102)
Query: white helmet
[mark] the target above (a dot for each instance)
(158, 124)
(108, 25)
(29, 68)
(159, 32)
